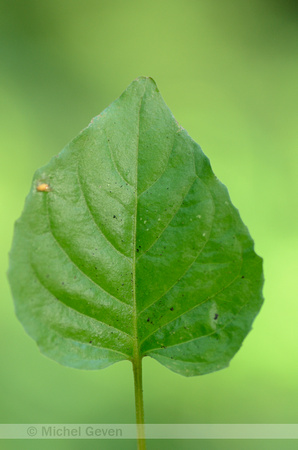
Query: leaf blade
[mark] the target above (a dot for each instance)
(135, 249)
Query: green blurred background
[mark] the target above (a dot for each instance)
(228, 71)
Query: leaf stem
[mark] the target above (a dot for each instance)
(139, 402)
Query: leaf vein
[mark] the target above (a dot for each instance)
(171, 219)
(188, 268)
(104, 348)
(80, 270)
(74, 309)
(113, 159)
(209, 334)
(93, 218)
(136, 347)
(173, 285)
(164, 171)
(193, 307)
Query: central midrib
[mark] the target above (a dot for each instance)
(136, 353)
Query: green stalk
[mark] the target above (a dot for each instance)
(139, 402)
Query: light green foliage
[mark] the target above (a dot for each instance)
(134, 249)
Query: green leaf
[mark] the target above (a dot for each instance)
(129, 246)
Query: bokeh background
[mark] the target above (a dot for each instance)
(228, 71)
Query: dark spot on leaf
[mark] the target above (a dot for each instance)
(172, 309)
(114, 217)
(148, 320)
(215, 316)
(122, 284)
(90, 342)
(243, 276)
(138, 250)
(62, 282)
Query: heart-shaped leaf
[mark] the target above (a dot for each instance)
(129, 246)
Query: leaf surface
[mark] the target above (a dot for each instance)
(129, 246)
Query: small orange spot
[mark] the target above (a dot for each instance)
(43, 187)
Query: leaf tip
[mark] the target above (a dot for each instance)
(149, 80)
